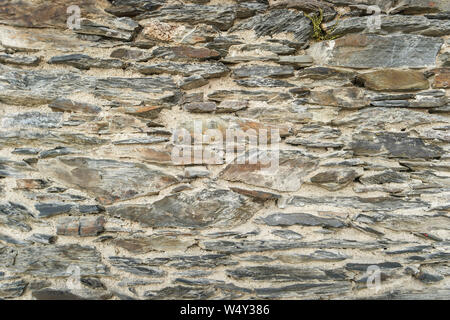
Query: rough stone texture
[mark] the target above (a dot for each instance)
(91, 136)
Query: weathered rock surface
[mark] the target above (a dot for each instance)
(200, 210)
(374, 51)
(340, 162)
(108, 180)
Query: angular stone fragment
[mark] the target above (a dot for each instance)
(66, 105)
(275, 245)
(196, 172)
(260, 95)
(192, 82)
(349, 98)
(205, 69)
(42, 238)
(85, 62)
(304, 290)
(366, 203)
(132, 8)
(15, 216)
(19, 60)
(120, 28)
(108, 180)
(391, 23)
(303, 219)
(135, 266)
(258, 82)
(12, 287)
(263, 71)
(374, 51)
(393, 80)
(28, 184)
(228, 106)
(441, 78)
(145, 244)
(46, 210)
(279, 21)
(84, 227)
(200, 107)
(364, 266)
(53, 261)
(33, 120)
(181, 292)
(335, 179)
(186, 53)
(202, 209)
(288, 175)
(318, 255)
(219, 16)
(393, 144)
(256, 194)
(296, 61)
(285, 273)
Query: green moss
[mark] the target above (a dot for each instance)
(318, 33)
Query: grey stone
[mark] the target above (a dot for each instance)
(279, 21)
(374, 51)
(218, 16)
(53, 261)
(257, 82)
(66, 105)
(218, 207)
(122, 29)
(108, 180)
(263, 71)
(85, 62)
(394, 144)
(15, 216)
(206, 70)
(285, 273)
(19, 59)
(12, 287)
(42, 238)
(287, 234)
(33, 120)
(46, 210)
(135, 266)
(304, 219)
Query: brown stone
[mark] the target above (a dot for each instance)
(442, 78)
(257, 194)
(84, 227)
(31, 184)
(394, 80)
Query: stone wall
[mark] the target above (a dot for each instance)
(90, 106)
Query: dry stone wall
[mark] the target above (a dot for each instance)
(353, 93)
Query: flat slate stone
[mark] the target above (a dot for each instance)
(394, 80)
(219, 16)
(303, 219)
(374, 51)
(108, 180)
(53, 261)
(202, 209)
(279, 21)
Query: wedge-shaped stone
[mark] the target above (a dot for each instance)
(19, 59)
(374, 51)
(15, 216)
(394, 80)
(108, 180)
(201, 209)
(145, 244)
